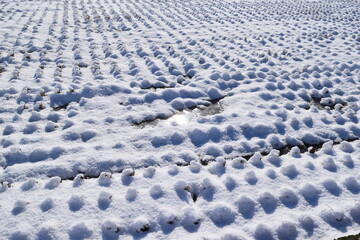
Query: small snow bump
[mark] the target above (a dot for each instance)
(28, 185)
(156, 191)
(246, 206)
(310, 193)
(20, 235)
(54, 182)
(332, 187)
(104, 200)
(289, 198)
(251, 178)
(48, 231)
(19, 207)
(128, 172)
(127, 176)
(215, 94)
(68, 124)
(355, 212)
(346, 147)
(195, 167)
(76, 202)
(35, 117)
(271, 174)
(177, 138)
(329, 164)
(287, 231)
(169, 219)
(149, 172)
(262, 232)
(30, 128)
(295, 152)
(105, 179)
(80, 230)
(47, 204)
(50, 127)
(71, 136)
(335, 218)
(112, 228)
(207, 189)
(221, 214)
(173, 170)
(141, 224)
(327, 148)
(309, 165)
(230, 183)
(191, 219)
(256, 160)
(352, 185)
(268, 202)
(38, 155)
(348, 162)
(307, 222)
(290, 171)
(238, 162)
(131, 194)
(87, 135)
(78, 180)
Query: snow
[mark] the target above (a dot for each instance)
(179, 119)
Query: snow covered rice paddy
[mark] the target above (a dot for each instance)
(179, 119)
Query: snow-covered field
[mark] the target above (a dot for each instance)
(220, 119)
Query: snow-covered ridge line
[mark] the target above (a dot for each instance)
(288, 149)
(300, 149)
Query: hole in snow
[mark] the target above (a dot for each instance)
(185, 116)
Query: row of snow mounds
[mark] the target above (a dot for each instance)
(131, 15)
(175, 14)
(292, 196)
(204, 142)
(315, 85)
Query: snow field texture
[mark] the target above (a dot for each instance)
(170, 119)
(240, 199)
